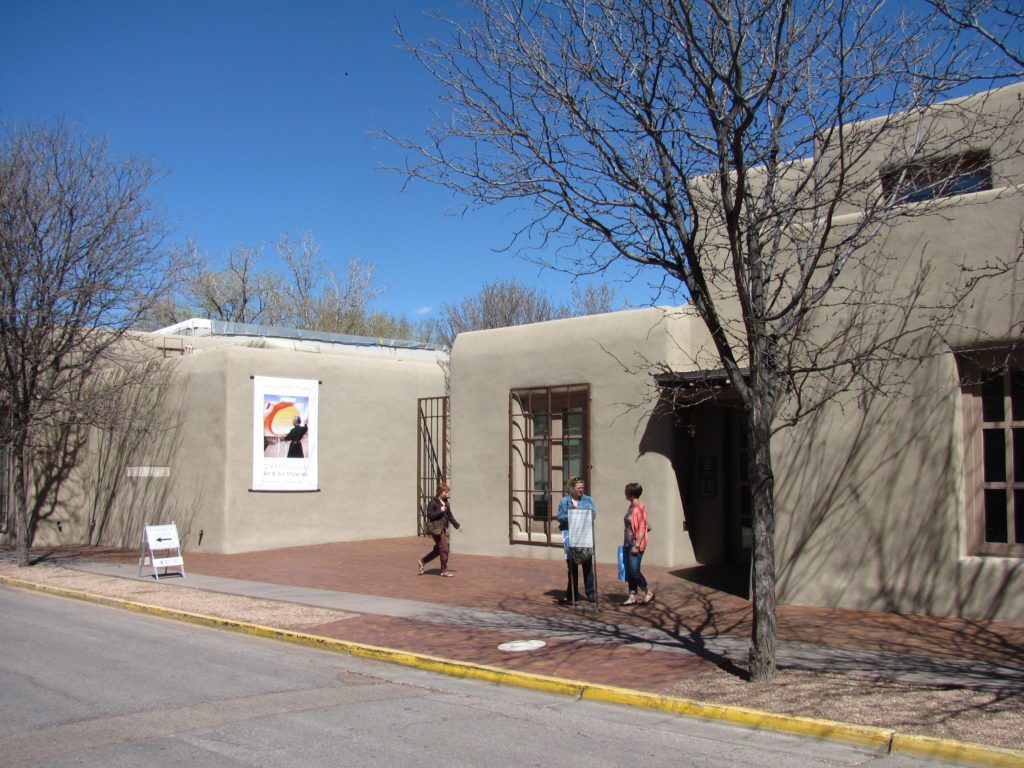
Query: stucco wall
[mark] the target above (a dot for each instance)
(870, 505)
(612, 353)
(162, 461)
(367, 446)
(871, 501)
(200, 455)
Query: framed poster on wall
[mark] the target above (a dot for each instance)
(284, 450)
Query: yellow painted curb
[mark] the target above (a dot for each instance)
(956, 751)
(859, 735)
(882, 739)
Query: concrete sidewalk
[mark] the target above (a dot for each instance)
(689, 628)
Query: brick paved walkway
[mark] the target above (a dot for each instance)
(583, 643)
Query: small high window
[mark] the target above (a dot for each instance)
(940, 177)
(993, 388)
(548, 443)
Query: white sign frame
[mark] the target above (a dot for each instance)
(274, 472)
(581, 527)
(163, 539)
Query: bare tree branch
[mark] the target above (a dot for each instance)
(755, 152)
(81, 250)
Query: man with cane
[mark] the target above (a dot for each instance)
(576, 514)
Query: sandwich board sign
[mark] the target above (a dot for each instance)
(164, 547)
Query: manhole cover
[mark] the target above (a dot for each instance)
(517, 646)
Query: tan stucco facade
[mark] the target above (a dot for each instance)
(196, 467)
(612, 353)
(873, 498)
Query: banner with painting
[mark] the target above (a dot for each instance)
(284, 434)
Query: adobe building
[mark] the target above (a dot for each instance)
(911, 503)
(196, 462)
(909, 498)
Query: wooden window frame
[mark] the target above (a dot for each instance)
(936, 178)
(977, 367)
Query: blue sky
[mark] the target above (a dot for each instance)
(261, 113)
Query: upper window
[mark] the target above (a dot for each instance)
(993, 387)
(940, 177)
(548, 444)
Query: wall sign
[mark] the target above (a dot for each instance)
(284, 434)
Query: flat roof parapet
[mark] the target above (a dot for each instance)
(204, 327)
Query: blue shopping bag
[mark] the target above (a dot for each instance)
(622, 563)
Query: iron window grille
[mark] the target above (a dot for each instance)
(549, 429)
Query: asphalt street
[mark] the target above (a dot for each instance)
(87, 685)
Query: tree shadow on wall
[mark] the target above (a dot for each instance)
(119, 484)
(53, 462)
(877, 507)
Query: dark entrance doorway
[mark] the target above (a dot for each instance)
(712, 453)
(711, 464)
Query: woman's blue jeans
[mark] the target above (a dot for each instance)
(634, 578)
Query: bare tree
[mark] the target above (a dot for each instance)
(315, 297)
(305, 271)
(242, 292)
(299, 290)
(594, 299)
(502, 303)
(998, 25)
(80, 248)
(498, 304)
(731, 146)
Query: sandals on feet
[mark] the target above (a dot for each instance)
(447, 574)
(631, 600)
(420, 564)
(648, 598)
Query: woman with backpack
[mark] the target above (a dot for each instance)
(439, 516)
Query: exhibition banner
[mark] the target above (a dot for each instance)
(284, 451)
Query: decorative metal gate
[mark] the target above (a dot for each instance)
(432, 453)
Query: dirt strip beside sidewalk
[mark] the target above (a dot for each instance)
(269, 613)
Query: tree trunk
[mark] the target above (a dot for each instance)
(762, 648)
(23, 532)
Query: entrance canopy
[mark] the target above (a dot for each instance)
(691, 386)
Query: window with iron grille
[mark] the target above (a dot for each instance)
(548, 444)
(993, 389)
(939, 177)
